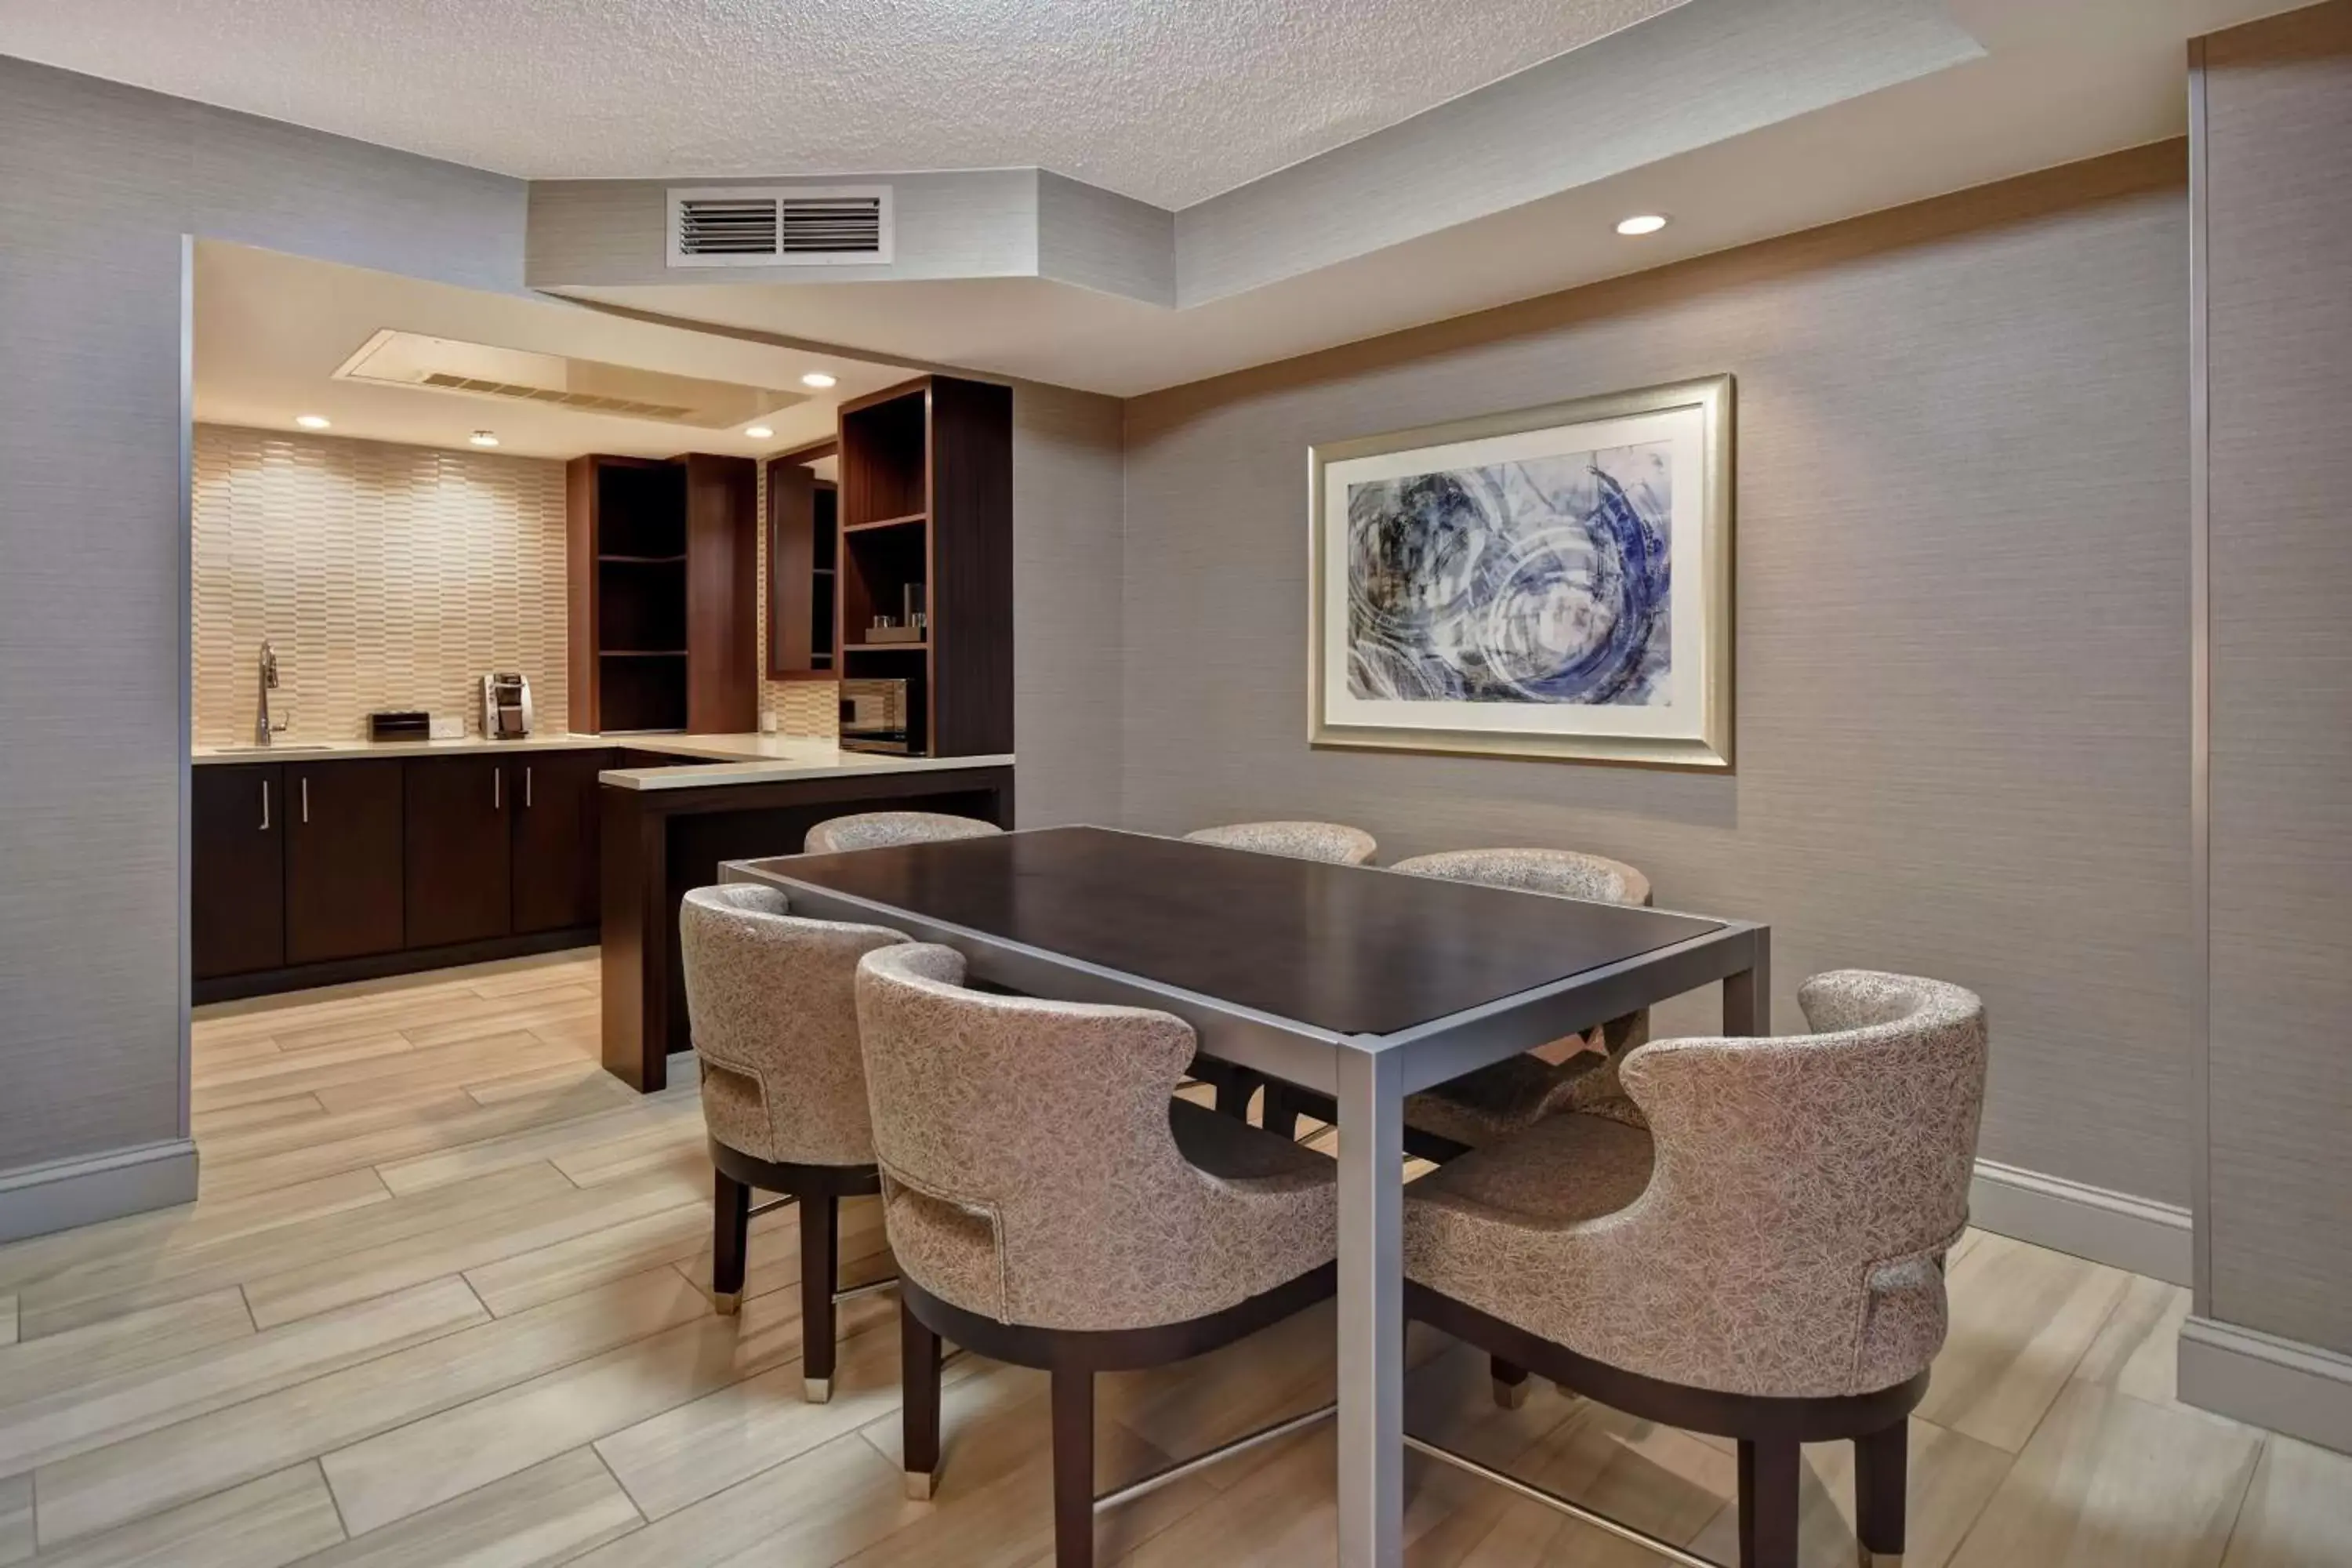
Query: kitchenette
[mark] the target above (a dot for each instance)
(453, 707)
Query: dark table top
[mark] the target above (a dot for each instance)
(1349, 949)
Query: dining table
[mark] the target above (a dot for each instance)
(1364, 984)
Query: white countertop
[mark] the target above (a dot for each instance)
(773, 759)
(297, 750)
(727, 758)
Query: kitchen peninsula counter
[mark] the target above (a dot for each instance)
(667, 828)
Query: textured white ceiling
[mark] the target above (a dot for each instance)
(1170, 103)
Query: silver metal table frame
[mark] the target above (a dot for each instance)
(1369, 1076)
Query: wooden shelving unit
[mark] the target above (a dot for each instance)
(927, 499)
(662, 608)
(803, 551)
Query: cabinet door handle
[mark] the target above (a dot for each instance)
(306, 800)
(498, 789)
(264, 805)
(526, 787)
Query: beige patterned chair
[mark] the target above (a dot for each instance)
(1331, 841)
(771, 1000)
(1766, 1263)
(1052, 1205)
(881, 829)
(1507, 1095)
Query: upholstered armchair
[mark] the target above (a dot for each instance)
(771, 1002)
(1051, 1205)
(881, 829)
(1506, 1096)
(1765, 1262)
(1331, 841)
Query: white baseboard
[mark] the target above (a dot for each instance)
(62, 1193)
(2265, 1381)
(2114, 1228)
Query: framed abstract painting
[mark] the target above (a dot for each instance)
(1554, 583)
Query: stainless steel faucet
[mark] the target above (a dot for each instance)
(262, 728)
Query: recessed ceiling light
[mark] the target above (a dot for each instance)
(816, 378)
(1647, 223)
(483, 438)
(759, 432)
(311, 421)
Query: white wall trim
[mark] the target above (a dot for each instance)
(2265, 1381)
(2114, 1228)
(62, 1193)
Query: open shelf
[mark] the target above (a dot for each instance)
(886, 456)
(885, 648)
(661, 586)
(912, 517)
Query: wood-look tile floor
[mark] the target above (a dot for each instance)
(443, 1301)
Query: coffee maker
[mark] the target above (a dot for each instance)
(506, 707)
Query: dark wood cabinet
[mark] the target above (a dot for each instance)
(555, 840)
(664, 599)
(804, 542)
(344, 872)
(314, 872)
(237, 851)
(456, 872)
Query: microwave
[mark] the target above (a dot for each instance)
(874, 717)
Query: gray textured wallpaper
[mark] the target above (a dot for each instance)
(1962, 633)
(2279, 303)
(97, 187)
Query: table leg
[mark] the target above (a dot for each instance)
(1748, 995)
(1371, 1309)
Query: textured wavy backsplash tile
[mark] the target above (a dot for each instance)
(386, 576)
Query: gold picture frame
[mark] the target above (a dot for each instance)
(1695, 419)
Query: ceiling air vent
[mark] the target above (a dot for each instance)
(780, 226)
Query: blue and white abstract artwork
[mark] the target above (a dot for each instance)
(1546, 580)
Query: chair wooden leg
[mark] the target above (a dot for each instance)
(731, 1239)
(1511, 1384)
(820, 1267)
(1074, 1467)
(1768, 1504)
(918, 1382)
(1881, 1464)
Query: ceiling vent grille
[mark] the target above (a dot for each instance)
(632, 407)
(780, 226)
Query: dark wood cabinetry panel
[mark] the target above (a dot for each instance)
(555, 839)
(237, 869)
(457, 867)
(971, 565)
(803, 538)
(343, 875)
(722, 594)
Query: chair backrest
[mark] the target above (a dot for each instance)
(1569, 872)
(1025, 1144)
(1331, 841)
(1812, 1182)
(881, 829)
(772, 999)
